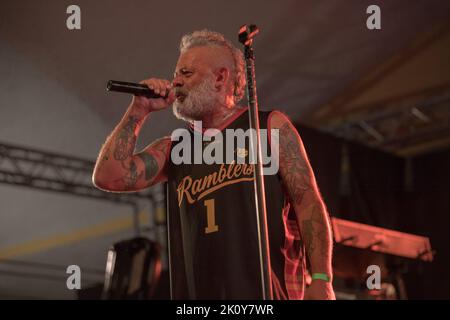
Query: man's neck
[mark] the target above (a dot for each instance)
(219, 117)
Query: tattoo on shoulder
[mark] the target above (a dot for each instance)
(296, 174)
(151, 165)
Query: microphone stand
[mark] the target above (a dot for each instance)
(246, 34)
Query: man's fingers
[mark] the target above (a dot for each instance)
(159, 86)
(165, 88)
(170, 97)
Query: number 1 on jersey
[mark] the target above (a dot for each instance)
(211, 217)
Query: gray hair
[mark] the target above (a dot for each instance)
(210, 38)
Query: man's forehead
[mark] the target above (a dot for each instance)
(202, 55)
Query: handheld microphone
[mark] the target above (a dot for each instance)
(134, 88)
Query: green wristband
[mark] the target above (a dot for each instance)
(321, 276)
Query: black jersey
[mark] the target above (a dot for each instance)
(212, 230)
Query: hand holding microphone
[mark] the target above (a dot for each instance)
(150, 95)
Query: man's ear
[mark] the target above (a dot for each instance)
(222, 76)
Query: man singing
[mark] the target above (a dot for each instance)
(213, 242)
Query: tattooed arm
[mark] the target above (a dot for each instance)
(312, 217)
(118, 167)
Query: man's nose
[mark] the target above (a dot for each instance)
(177, 82)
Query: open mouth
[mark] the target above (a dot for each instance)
(180, 96)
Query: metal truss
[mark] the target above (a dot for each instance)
(404, 127)
(37, 169)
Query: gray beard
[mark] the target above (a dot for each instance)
(199, 102)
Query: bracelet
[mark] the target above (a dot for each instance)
(321, 276)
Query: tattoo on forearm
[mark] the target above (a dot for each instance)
(297, 176)
(126, 140)
(314, 232)
(151, 165)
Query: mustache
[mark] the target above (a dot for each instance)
(180, 91)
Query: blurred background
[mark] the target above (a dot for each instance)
(372, 107)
